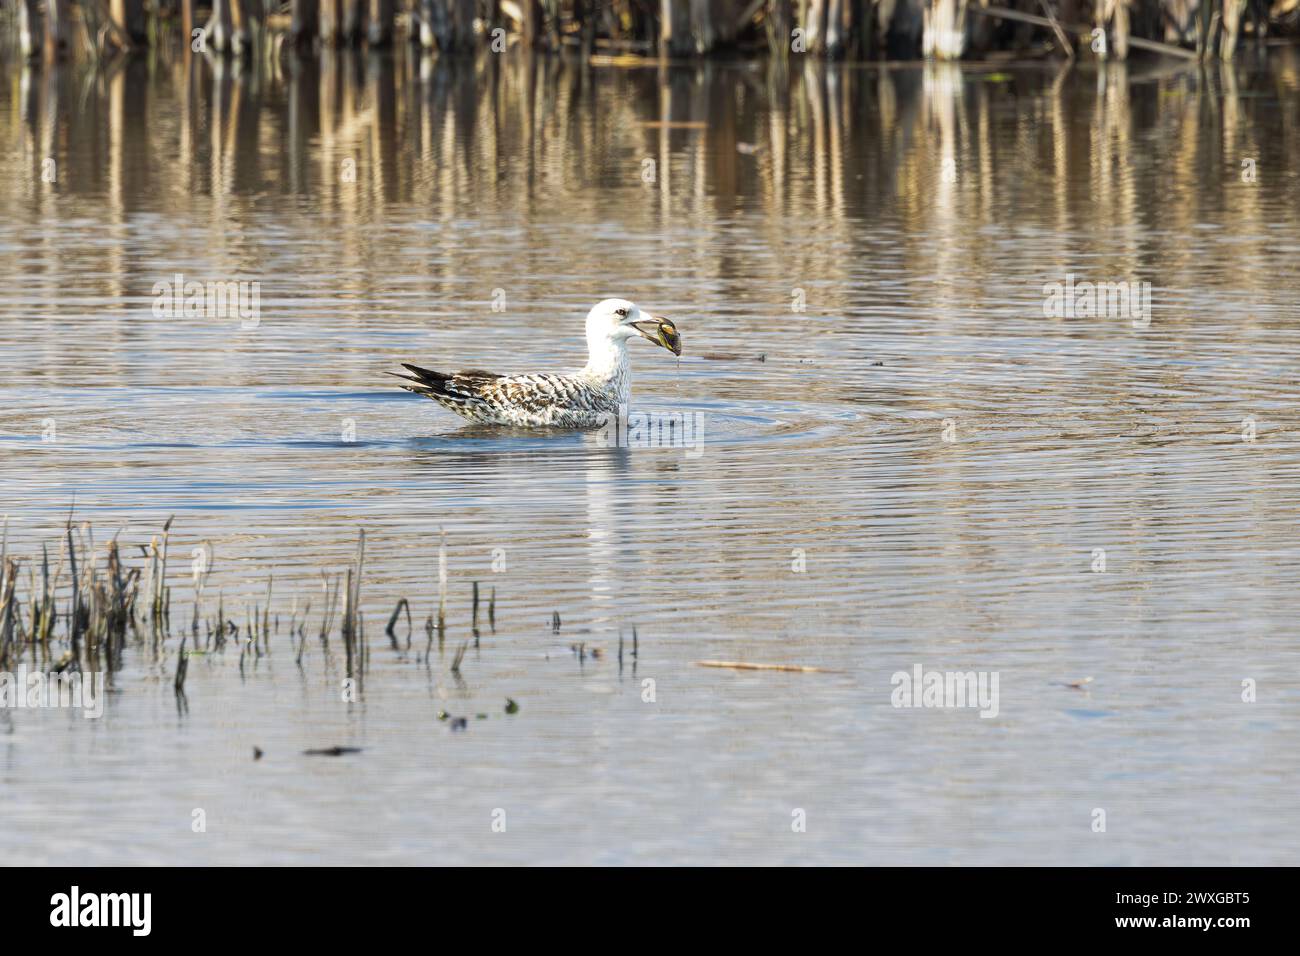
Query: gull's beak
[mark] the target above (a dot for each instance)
(661, 331)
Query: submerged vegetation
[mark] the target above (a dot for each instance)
(90, 602)
(79, 612)
(853, 29)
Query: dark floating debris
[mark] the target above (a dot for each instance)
(511, 706)
(458, 723)
(1079, 684)
(583, 651)
(331, 751)
(257, 753)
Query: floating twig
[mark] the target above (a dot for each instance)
(748, 666)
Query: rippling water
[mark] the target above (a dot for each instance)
(904, 461)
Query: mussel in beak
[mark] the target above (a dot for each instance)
(661, 331)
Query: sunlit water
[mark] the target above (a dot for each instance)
(904, 461)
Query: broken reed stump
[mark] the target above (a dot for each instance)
(8, 611)
(352, 610)
(402, 606)
(182, 669)
(442, 580)
(158, 593)
(74, 619)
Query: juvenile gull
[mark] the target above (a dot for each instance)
(582, 399)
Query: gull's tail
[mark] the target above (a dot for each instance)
(423, 381)
(472, 393)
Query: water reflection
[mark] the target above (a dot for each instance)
(940, 164)
(812, 138)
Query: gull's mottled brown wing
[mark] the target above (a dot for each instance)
(506, 399)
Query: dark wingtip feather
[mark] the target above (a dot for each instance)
(423, 381)
(426, 374)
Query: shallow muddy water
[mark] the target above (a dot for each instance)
(904, 460)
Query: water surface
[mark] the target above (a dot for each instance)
(904, 461)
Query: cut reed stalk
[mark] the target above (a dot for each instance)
(442, 583)
(182, 669)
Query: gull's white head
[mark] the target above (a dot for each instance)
(614, 321)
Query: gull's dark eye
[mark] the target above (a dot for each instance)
(621, 312)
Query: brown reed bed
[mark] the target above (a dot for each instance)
(626, 32)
